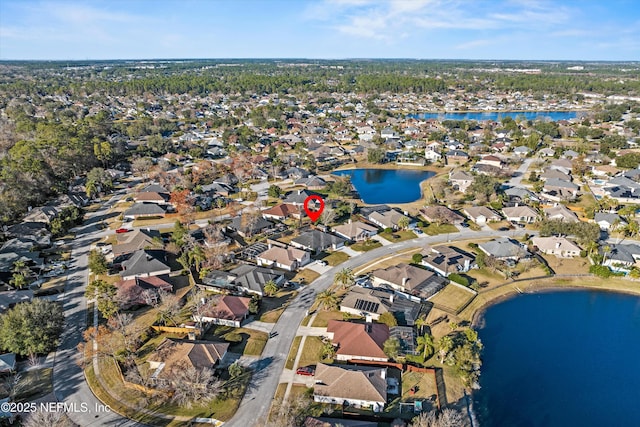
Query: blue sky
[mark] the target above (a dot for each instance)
(431, 29)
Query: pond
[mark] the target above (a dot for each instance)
(379, 186)
(565, 358)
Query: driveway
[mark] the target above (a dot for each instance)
(268, 370)
(516, 180)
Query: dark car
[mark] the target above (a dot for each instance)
(308, 371)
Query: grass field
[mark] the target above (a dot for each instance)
(34, 384)
(366, 246)
(306, 276)
(423, 381)
(433, 229)
(293, 352)
(336, 258)
(323, 318)
(402, 235)
(453, 297)
(311, 352)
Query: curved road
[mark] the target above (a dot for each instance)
(254, 408)
(69, 384)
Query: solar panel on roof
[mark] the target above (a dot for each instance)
(364, 305)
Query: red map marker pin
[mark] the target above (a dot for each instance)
(319, 204)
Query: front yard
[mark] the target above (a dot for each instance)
(433, 229)
(335, 258)
(398, 236)
(366, 245)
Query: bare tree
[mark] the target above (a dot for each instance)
(48, 419)
(446, 418)
(128, 329)
(169, 307)
(189, 384)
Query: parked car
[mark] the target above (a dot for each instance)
(308, 371)
(123, 230)
(322, 263)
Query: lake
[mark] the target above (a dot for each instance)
(497, 115)
(565, 358)
(379, 186)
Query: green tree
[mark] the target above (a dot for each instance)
(375, 155)
(391, 347)
(97, 262)
(445, 345)
(31, 327)
(403, 222)
(416, 258)
(327, 300)
(274, 191)
(426, 345)
(344, 277)
(20, 274)
(270, 288)
(388, 319)
(106, 296)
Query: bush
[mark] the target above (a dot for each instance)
(416, 258)
(600, 271)
(388, 230)
(459, 279)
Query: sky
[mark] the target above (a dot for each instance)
(324, 29)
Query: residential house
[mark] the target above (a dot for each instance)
(609, 221)
(441, 215)
(317, 241)
(554, 174)
(152, 197)
(249, 225)
(561, 213)
(445, 260)
(225, 310)
(282, 211)
(355, 231)
(298, 197)
(362, 387)
(174, 354)
(135, 240)
(145, 263)
(491, 160)
(244, 279)
(461, 180)
(372, 303)
(42, 214)
(410, 280)
(287, 258)
(388, 219)
(560, 189)
(620, 257)
(362, 341)
(504, 248)
(140, 210)
(520, 214)
(312, 182)
(141, 290)
(521, 151)
(558, 246)
(432, 155)
(520, 195)
(456, 157)
(481, 214)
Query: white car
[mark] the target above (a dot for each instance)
(322, 263)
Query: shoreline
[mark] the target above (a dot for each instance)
(500, 111)
(538, 286)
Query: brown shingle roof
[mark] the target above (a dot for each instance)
(351, 382)
(193, 353)
(228, 307)
(359, 339)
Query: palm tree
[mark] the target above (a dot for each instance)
(605, 251)
(403, 222)
(445, 345)
(270, 288)
(632, 229)
(344, 277)
(425, 342)
(421, 322)
(327, 300)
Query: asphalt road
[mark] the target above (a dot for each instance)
(254, 408)
(69, 384)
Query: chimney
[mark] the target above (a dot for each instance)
(516, 204)
(368, 319)
(404, 281)
(383, 374)
(557, 245)
(391, 298)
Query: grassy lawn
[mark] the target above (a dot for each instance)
(293, 353)
(306, 276)
(272, 307)
(311, 352)
(567, 265)
(425, 383)
(335, 258)
(384, 262)
(34, 384)
(499, 224)
(401, 235)
(245, 341)
(452, 297)
(366, 245)
(323, 317)
(433, 229)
